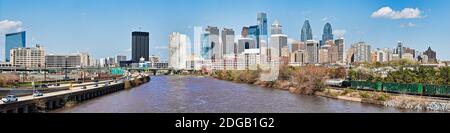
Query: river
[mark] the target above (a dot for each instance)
(188, 94)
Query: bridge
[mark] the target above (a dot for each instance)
(53, 100)
(155, 71)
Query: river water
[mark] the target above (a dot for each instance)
(188, 94)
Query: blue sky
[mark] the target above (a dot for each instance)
(103, 27)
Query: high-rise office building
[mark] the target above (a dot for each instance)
(205, 46)
(177, 50)
(361, 52)
(254, 33)
(276, 28)
(279, 43)
(245, 43)
(324, 55)
(399, 49)
(244, 32)
(215, 46)
(332, 52)
(297, 45)
(28, 56)
(139, 46)
(340, 47)
(299, 57)
(262, 23)
(14, 40)
(263, 28)
(120, 58)
(228, 41)
(312, 50)
(306, 33)
(327, 33)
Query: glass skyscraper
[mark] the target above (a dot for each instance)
(306, 33)
(262, 26)
(327, 34)
(205, 51)
(14, 40)
(254, 33)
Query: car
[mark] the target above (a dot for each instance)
(10, 98)
(41, 86)
(37, 94)
(84, 87)
(44, 86)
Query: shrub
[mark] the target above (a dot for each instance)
(8, 79)
(364, 94)
(285, 72)
(310, 79)
(346, 91)
(383, 97)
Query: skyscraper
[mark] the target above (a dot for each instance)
(245, 43)
(312, 50)
(361, 52)
(399, 49)
(215, 47)
(306, 33)
(244, 32)
(139, 46)
(276, 28)
(327, 33)
(177, 50)
(279, 44)
(205, 46)
(14, 40)
(340, 46)
(227, 41)
(254, 33)
(262, 23)
(120, 58)
(262, 26)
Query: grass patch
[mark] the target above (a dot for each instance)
(364, 94)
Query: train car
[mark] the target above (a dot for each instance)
(437, 90)
(337, 83)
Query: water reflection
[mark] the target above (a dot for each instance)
(187, 94)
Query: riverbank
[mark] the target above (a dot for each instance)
(413, 102)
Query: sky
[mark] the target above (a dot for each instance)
(103, 27)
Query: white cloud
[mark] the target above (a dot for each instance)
(406, 13)
(339, 33)
(410, 24)
(7, 26)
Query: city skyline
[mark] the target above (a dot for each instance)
(103, 31)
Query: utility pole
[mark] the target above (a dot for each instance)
(65, 69)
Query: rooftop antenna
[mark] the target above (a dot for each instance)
(140, 28)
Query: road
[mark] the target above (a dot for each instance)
(76, 88)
